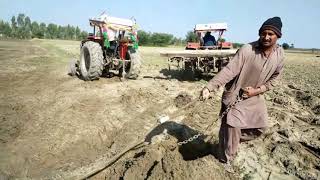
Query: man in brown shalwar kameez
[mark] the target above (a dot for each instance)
(253, 70)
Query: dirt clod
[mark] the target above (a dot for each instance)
(182, 99)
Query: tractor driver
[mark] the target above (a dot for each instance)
(209, 40)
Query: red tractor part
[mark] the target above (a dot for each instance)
(193, 45)
(225, 45)
(123, 50)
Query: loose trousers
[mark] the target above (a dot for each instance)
(230, 138)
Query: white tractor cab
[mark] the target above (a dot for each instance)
(214, 28)
(113, 26)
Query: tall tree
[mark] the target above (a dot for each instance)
(70, 32)
(52, 30)
(20, 20)
(5, 29)
(83, 35)
(27, 27)
(21, 28)
(35, 29)
(60, 33)
(77, 33)
(13, 26)
(13, 22)
(27, 21)
(285, 46)
(42, 30)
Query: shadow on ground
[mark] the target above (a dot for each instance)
(198, 148)
(185, 75)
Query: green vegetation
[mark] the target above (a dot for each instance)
(158, 39)
(23, 28)
(237, 45)
(287, 46)
(191, 37)
(222, 40)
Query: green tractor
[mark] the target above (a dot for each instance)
(111, 48)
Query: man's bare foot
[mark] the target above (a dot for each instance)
(228, 167)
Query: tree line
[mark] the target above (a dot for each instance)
(287, 46)
(163, 39)
(158, 39)
(21, 27)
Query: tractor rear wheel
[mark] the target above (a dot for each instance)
(132, 68)
(91, 61)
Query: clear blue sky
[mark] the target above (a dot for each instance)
(301, 18)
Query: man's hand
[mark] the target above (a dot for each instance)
(250, 91)
(205, 94)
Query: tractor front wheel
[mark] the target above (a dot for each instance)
(72, 70)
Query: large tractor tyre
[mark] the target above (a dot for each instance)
(133, 67)
(91, 61)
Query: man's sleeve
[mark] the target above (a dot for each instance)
(274, 79)
(229, 72)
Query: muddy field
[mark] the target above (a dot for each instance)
(54, 126)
